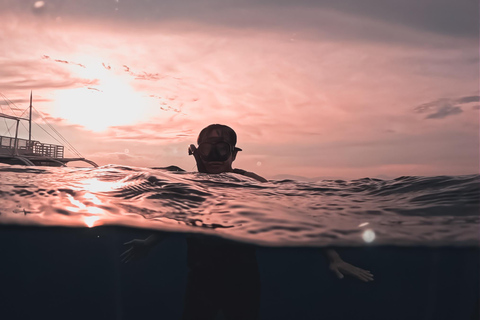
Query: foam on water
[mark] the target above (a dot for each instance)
(415, 211)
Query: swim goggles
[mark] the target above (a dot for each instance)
(218, 151)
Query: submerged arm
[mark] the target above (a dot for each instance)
(139, 248)
(340, 267)
(250, 174)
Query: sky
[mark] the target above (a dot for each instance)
(331, 89)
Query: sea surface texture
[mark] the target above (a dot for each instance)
(410, 211)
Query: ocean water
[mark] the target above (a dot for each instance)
(425, 211)
(62, 231)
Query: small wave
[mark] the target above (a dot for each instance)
(403, 211)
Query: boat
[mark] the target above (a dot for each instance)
(28, 152)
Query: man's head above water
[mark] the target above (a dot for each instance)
(216, 149)
(218, 130)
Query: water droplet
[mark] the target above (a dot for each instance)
(368, 235)
(39, 4)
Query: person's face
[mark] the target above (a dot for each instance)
(217, 166)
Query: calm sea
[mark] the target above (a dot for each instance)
(63, 231)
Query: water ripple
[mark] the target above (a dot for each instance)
(439, 210)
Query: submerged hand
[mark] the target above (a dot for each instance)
(340, 267)
(137, 249)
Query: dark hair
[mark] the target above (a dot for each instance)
(223, 131)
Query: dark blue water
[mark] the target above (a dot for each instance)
(63, 231)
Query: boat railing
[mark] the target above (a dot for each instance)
(24, 147)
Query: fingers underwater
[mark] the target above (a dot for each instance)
(127, 258)
(126, 252)
(338, 273)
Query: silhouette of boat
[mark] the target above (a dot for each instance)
(14, 150)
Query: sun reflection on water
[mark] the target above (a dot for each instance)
(96, 185)
(85, 202)
(77, 205)
(90, 221)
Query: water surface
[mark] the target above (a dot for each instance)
(413, 211)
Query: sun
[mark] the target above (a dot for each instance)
(111, 101)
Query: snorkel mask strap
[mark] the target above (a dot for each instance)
(192, 151)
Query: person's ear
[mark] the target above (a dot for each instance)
(234, 155)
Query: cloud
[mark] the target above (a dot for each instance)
(115, 157)
(389, 21)
(452, 18)
(445, 111)
(310, 79)
(147, 133)
(45, 57)
(443, 108)
(31, 75)
(468, 99)
(20, 101)
(142, 75)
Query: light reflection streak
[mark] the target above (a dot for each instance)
(93, 198)
(77, 205)
(39, 4)
(87, 203)
(95, 185)
(90, 221)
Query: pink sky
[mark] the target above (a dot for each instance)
(312, 90)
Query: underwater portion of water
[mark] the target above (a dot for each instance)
(63, 230)
(411, 211)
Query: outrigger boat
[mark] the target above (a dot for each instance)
(14, 150)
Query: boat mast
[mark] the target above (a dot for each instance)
(30, 123)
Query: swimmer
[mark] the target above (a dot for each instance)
(223, 275)
(215, 154)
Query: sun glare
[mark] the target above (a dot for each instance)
(109, 101)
